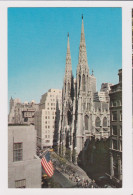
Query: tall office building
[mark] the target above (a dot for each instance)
(46, 118)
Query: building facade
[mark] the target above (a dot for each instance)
(81, 117)
(22, 113)
(103, 94)
(116, 131)
(24, 167)
(46, 118)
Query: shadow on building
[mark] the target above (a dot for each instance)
(94, 158)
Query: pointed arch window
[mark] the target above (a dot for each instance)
(68, 87)
(86, 118)
(65, 87)
(97, 122)
(69, 117)
(83, 83)
(104, 122)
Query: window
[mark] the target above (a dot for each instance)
(83, 82)
(104, 122)
(120, 130)
(118, 103)
(114, 144)
(17, 152)
(120, 145)
(120, 115)
(97, 122)
(86, 122)
(114, 103)
(114, 116)
(114, 130)
(45, 117)
(68, 87)
(20, 183)
(69, 117)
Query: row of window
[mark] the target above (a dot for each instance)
(47, 131)
(115, 145)
(47, 136)
(49, 122)
(48, 117)
(51, 108)
(48, 127)
(28, 114)
(115, 103)
(52, 100)
(52, 104)
(49, 113)
(115, 130)
(115, 116)
(98, 122)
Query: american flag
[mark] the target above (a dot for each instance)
(47, 164)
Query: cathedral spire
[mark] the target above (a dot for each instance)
(68, 56)
(82, 68)
(82, 31)
(68, 44)
(82, 48)
(68, 71)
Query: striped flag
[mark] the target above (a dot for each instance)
(47, 164)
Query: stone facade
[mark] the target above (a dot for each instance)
(47, 117)
(116, 131)
(80, 117)
(22, 113)
(24, 167)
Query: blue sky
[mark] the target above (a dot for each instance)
(37, 43)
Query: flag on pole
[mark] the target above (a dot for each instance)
(47, 164)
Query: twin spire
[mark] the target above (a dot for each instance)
(82, 51)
